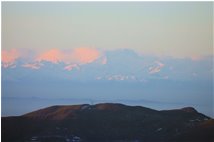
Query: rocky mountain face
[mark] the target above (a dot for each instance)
(108, 122)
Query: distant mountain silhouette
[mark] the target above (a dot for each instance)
(109, 122)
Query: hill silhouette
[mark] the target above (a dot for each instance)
(108, 122)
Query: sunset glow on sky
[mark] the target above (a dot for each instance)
(180, 29)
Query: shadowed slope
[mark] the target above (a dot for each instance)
(110, 122)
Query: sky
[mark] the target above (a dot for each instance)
(153, 54)
(178, 29)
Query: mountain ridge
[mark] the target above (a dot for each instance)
(110, 122)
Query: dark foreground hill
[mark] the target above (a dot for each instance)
(108, 123)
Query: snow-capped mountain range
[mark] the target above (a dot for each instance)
(91, 64)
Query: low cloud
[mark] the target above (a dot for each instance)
(77, 56)
(53, 55)
(83, 55)
(9, 57)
